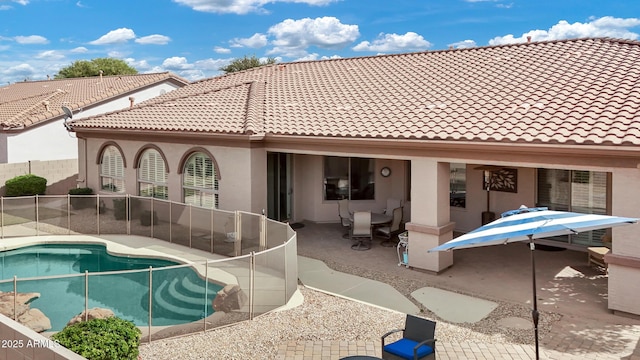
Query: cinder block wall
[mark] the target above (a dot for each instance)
(61, 175)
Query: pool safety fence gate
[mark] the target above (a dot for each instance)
(257, 275)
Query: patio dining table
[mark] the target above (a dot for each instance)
(377, 219)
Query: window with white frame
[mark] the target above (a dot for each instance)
(112, 170)
(349, 178)
(578, 191)
(199, 182)
(152, 175)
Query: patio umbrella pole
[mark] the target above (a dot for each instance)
(534, 312)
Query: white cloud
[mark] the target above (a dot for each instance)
(115, 36)
(81, 5)
(241, 6)
(221, 50)
(464, 44)
(293, 37)
(153, 40)
(31, 39)
(140, 65)
(607, 26)
(177, 63)
(394, 42)
(79, 50)
(50, 55)
(5, 7)
(256, 41)
(21, 2)
(19, 72)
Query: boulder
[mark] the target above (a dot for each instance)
(230, 297)
(35, 320)
(22, 303)
(95, 313)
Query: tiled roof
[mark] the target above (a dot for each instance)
(583, 91)
(23, 104)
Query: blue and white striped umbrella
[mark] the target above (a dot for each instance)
(529, 224)
(532, 223)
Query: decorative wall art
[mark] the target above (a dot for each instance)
(504, 179)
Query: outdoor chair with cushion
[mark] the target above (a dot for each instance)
(392, 229)
(361, 230)
(418, 340)
(343, 212)
(392, 204)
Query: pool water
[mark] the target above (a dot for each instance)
(179, 294)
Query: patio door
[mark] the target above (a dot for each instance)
(279, 188)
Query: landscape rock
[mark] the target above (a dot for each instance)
(230, 297)
(35, 320)
(95, 313)
(22, 303)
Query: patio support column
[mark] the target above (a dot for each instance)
(430, 223)
(624, 258)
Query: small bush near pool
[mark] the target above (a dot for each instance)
(26, 185)
(101, 339)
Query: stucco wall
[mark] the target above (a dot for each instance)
(51, 141)
(61, 175)
(242, 185)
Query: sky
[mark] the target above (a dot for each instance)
(195, 38)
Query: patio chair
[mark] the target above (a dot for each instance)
(361, 230)
(392, 204)
(392, 229)
(418, 340)
(345, 215)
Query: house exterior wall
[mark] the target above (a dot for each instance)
(242, 169)
(51, 141)
(624, 259)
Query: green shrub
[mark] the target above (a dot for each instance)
(101, 339)
(26, 185)
(81, 191)
(81, 202)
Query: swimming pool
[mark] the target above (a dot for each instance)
(179, 294)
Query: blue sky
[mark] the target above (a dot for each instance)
(194, 38)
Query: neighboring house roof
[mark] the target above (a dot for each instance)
(28, 103)
(582, 91)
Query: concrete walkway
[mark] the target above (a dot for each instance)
(571, 340)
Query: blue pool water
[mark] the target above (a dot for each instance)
(179, 294)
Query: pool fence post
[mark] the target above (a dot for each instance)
(37, 217)
(98, 213)
(86, 295)
(206, 292)
(252, 273)
(68, 214)
(190, 225)
(238, 234)
(15, 298)
(170, 221)
(212, 219)
(263, 232)
(150, 300)
(127, 201)
(151, 216)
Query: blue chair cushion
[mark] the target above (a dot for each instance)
(404, 349)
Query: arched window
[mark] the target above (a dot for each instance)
(199, 183)
(152, 175)
(112, 170)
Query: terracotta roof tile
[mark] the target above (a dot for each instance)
(23, 104)
(582, 91)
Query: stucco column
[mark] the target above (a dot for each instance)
(430, 223)
(624, 258)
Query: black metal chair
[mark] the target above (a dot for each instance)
(418, 341)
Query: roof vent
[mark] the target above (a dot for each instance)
(46, 105)
(131, 101)
(528, 39)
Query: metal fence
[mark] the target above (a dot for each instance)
(257, 274)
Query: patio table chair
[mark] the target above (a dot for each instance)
(361, 230)
(417, 342)
(345, 215)
(392, 229)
